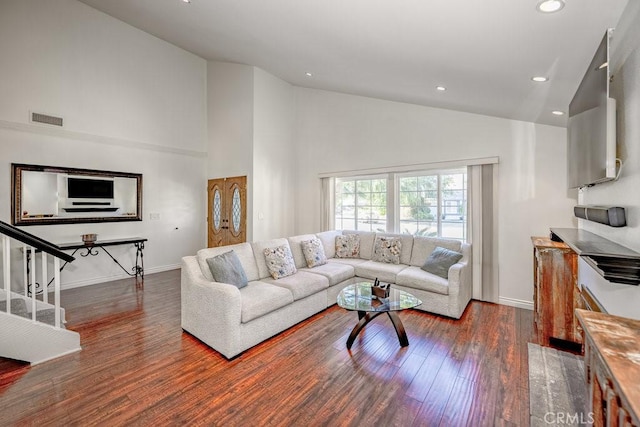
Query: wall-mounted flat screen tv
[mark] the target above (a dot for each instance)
(591, 151)
(86, 188)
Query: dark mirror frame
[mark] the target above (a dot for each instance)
(16, 195)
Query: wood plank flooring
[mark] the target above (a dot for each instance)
(137, 367)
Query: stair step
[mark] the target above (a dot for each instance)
(48, 316)
(19, 307)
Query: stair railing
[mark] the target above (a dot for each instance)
(31, 246)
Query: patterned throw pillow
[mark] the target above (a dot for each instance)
(313, 252)
(280, 261)
(348, 246)
(387, 249)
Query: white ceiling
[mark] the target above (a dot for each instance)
(483, 51)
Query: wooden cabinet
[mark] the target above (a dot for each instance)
(556, 293)
(611, 349)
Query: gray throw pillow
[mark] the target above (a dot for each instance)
(440, 261)
(226, 268)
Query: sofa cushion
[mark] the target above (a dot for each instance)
(407, 245)
(259, 298)
(302, 284)
(226, 268)
(349, 261)
(280, 261)
(366, 242)
(416, 278)
(348, 246)
(380, 270)
(258, 253)
(245, 254)
(387, 250)
(328, 239)
(440, 261)
(295, 244)
(313, 252)
(336, 272)
(423, 246)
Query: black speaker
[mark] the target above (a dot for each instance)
(613, 216)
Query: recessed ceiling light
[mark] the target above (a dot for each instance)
(540, 79)
(308, 74)
(550, 6)
(441, 88)
(558, 113)
(186, 1)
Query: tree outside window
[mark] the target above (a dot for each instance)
(361, 204)
(428, 204)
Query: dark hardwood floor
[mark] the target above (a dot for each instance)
(137, 367)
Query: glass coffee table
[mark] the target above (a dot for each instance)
(358, 297)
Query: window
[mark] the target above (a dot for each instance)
(361, 204)
(433, 204)
(429, 203)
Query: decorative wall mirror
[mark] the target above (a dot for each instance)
(56, 195)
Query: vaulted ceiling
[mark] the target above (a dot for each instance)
(484, 52)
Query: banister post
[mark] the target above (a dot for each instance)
(33, 283)
(45, 293)
(56, 292)
(25, 248)
(6, 266)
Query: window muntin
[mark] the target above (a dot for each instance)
(361, 204)
(428, 203)
(434, 204)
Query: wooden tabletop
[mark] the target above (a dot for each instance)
(617, 339)
(545, 242)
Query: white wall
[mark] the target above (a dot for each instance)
(230, 119)
(230, 126)
(274, 158)
(626, 90)
(251, 120)
(339, 132)
(130, 103)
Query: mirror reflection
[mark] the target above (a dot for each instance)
(50, 195)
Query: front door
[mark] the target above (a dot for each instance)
(227, 211)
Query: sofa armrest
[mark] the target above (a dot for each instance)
(460, 282)
(458, 274)
(211, 311)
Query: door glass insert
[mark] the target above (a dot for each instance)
(236, 210)
(217, 209)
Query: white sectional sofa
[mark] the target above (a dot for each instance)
(231, 320)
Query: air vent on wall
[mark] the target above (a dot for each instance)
(46, 119)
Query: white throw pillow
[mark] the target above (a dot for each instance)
(313, 252)
(387, 249)
(280, 261)
(348, 246)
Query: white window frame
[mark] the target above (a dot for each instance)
(439, 205)
(393, 196)
(389, 206)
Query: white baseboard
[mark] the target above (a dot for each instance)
(103, 279)
(527, 305)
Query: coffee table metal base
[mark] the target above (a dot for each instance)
(366, 317)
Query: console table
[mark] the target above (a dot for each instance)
(555, 291)
(137, 270)
(612, 367)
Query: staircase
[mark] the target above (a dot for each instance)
(31, 327)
